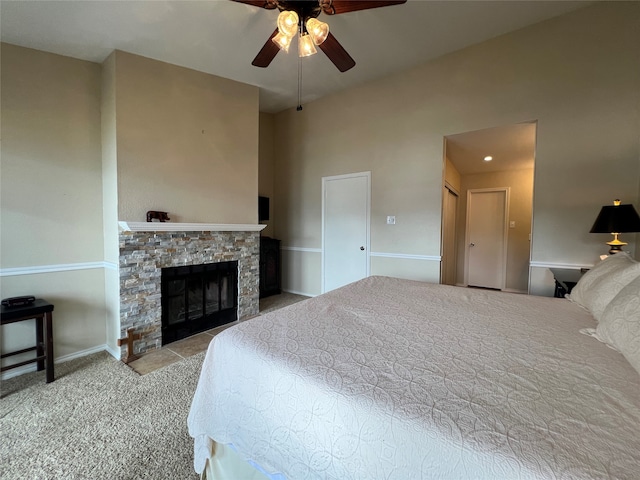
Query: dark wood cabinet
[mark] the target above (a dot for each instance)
(269, 267)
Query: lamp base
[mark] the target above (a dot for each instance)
(615, 244)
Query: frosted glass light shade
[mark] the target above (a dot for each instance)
(283, 41)
(288, 23)
(318, 30)
(306, 46)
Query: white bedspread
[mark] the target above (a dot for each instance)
(395, 379)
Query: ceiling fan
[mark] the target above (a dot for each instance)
(300, 17)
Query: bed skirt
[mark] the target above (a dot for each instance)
(224, 463)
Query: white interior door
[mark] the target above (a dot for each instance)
(345, 229)
(486, 237)
(449, 215)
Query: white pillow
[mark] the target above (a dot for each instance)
(620, 323)
(603, 282)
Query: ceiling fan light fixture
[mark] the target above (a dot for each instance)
(288, 23)
(318, 30)
(306, 46)
(282, 41)
(293, 18)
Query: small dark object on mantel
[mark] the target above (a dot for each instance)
(129, 339)
(160, 216)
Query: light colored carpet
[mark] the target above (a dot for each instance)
(99, 420)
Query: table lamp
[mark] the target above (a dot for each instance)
(616, 219)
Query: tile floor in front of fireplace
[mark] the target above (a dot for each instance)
(176, 351)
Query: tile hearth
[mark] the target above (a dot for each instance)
(176, 351)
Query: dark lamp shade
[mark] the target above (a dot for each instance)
(617, 219)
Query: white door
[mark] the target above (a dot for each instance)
(486, 237)
(345, 229)
(449, 210)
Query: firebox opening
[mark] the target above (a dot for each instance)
(196, 298)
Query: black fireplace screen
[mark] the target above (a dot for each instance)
(196, 298)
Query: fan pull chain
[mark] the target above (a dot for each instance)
(299, 107)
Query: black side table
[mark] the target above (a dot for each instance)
(566, 279)
(41, 311)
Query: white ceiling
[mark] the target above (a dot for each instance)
(222, 37)
(512, 148)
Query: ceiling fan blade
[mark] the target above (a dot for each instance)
(268, 4)
(335, 7)
(337, 54)
(267, 53)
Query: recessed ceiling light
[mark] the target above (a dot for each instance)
(488, 158)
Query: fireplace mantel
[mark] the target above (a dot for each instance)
(187, 227)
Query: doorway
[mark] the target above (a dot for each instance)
(449, 217)
(346, 203)
(511, 167)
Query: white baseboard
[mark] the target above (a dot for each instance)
(508, 290)
(114, 353)
(301, 249)
(295, 292)
(514, 290)
(32, 367)
(575, 266)
(18, 371)
(407, 256)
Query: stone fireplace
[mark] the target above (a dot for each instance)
(147, 248)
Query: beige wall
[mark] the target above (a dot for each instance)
(110, 203)
(520, 184)
(51, 200)
(109, 160)
(78, 315)
(51, 186)
(451, 175)
(84, 145)
(266, 167)
(174, 140)
(187, 143)
(576, 75)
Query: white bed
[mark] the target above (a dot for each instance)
(395, 379)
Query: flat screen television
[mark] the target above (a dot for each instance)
(263, 209)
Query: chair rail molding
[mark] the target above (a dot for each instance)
(577, 266)
(408, 256)
(66, 267)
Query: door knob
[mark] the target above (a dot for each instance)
(361, 248)
(472, 244)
